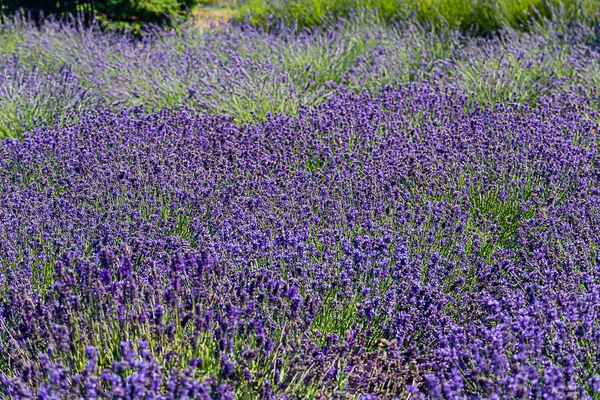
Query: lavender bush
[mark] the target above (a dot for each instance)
(411, 242)
(245, 73)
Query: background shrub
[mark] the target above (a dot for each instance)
(142, 10)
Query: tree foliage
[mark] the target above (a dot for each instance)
(142, 10)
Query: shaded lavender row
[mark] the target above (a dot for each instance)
(376, 245)
(245, 73)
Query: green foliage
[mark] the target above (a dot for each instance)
(476, 16)
(316, 12)
(142, 10)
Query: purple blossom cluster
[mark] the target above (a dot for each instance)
(412, 242)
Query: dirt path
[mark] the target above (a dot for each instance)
(208, 17)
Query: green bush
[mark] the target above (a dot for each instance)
(142, 10)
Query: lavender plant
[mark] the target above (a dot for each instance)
(411, 242)
(246, 73)
(29, 95)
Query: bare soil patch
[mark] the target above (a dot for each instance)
(211, 17)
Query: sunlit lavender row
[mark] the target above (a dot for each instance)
(406, 243)
(245, 73)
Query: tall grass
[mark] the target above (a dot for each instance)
(475, 16)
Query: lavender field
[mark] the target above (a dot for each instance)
(355, 211)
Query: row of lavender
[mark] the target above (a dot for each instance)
(242, 72)
(410, 242)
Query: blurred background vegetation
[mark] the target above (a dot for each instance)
(475, 16)
(142, 10)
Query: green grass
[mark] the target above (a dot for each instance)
(478, 16)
